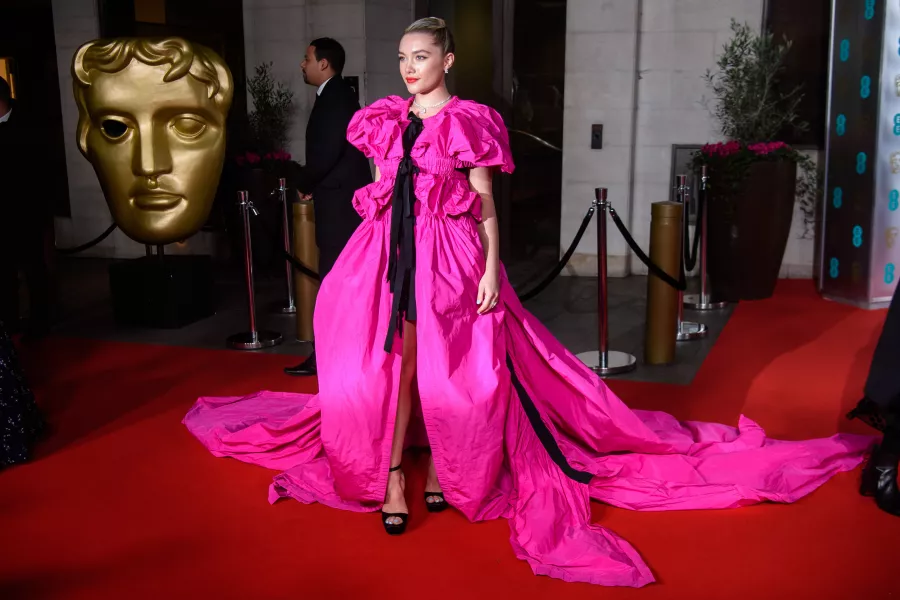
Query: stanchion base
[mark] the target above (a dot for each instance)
(616, 362)
(248, 341)
(691, 331)
(693, 302)
(281, 309)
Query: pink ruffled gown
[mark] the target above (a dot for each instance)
(519, 428)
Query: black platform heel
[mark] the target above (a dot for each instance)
(394, 528)
(437, 504)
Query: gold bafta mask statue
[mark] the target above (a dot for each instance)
(151, 120)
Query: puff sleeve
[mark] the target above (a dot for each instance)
(480, 138)
(371, 128)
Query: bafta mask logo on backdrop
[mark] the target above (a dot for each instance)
(151, 120)
(890, 236)
(895, 163)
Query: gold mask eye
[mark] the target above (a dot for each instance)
(189, 127)
(113, 129)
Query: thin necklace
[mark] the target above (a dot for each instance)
(425, 108)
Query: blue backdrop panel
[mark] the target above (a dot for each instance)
(859, 245)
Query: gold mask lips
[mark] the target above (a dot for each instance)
(152, 118)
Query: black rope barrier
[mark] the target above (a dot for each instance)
(300, 266)
(544, 283)
(540, 287)
(276, 246)
(690, 249)
(680, 284)
(89, 244)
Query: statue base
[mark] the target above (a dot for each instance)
(162, 292)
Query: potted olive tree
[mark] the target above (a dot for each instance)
(262, 159)
(265, 155)
(755, 179)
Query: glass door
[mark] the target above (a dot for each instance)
(511, 56)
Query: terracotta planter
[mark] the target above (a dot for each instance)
(749, 232)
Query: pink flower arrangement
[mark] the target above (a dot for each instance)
(721, 149)
(730, 160)
(763, 148)
(278, 155)
(251, 158)
(248, 158)
(724, 149)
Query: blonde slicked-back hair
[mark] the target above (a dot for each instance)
(183, 58)
(438, 30)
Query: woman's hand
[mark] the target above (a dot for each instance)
(489, 286)
(488, 291)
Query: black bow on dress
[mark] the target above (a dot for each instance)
(402, 260)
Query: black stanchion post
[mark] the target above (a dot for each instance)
(703, 301)
(291, 308)
(253, 339)
(685, 330)
(604, 361)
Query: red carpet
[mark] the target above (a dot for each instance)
(121, 502)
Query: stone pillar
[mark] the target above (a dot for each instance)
(76, 22)
(384, 25)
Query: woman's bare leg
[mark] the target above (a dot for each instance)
(394, 500)
(432, 485)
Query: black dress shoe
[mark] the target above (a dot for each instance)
(880, 479)
(869, 413)
(305, 369)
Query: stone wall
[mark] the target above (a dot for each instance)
(668, 45)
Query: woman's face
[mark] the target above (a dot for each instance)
(422, 63)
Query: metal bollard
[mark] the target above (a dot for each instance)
(253, 339)
(703, 301)
(685, 330)
(604, 361)
(291, 308)
(305, 251)
(662, 298)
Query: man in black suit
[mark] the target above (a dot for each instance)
(24, 220)
(334, 168)
(881, 408)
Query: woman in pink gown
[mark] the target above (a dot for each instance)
(417, 316)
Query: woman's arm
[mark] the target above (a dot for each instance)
(481, 181)
(377, 173)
